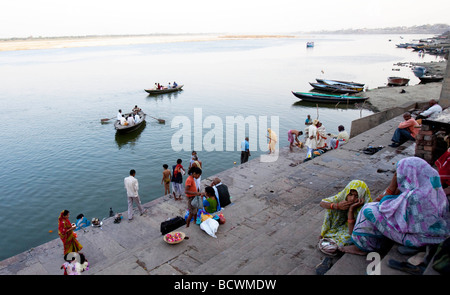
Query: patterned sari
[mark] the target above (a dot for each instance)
(67, 237)
(335, 225)
(417, 217)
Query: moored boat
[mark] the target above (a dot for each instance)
(397, 81)
(165, 90)
(333, 88)
(328, 98)
(129, 128)
(350, 85)
(430, 78)
(310, 44)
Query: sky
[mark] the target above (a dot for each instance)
(47, 18)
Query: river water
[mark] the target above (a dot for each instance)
(56, 154)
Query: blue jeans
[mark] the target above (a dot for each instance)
(402, 135)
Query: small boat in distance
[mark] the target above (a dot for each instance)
(341, 84)
(129, 128)
(310, 44)
(397, 81)
(164, 90)
(333, 88)
(328, 98)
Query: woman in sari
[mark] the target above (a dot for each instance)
(272, 140)
(413, 211)
(342, 210)
(65, 231)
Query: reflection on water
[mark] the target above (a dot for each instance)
(131, 138)
(170, 95)
(330, 105)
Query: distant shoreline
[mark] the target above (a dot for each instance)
(89, 41)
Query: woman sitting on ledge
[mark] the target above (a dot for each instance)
(342, 210)
(412, 212)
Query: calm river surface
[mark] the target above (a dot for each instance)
(57, 155)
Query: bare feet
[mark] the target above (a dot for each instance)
(352, 249)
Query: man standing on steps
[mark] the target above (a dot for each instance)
(132, 187)
(245, 150)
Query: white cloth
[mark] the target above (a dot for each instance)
(119, 116)
(435, 109)
(132, 186)
(137, 119)
(130, 120)
(312, 142)
(122, 121)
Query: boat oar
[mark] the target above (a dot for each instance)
(161, 121)
(106, 119)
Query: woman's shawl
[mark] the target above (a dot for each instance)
(335, 224)
(358, 185)
(422, 206)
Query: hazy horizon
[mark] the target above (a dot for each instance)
(52, 18)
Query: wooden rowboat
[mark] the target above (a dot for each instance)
(354, 84)
(166, 90)
(397, 81)
(332, 88)
(430, 78)
(328, 98)
(129, 128)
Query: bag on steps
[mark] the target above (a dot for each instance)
(172, 224)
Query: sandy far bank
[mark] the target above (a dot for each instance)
(55, 43)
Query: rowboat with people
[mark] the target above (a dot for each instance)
(127, 127)
(328, 98)
(164, 90)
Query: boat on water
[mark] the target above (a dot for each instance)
(328, 98)
(164, 90)
(130, 128)
(397, 81)
(332, 88)
(310, 44)
(358, 88)
(430, 78)
(355, 84)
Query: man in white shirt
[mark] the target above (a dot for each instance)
(122, 120)
(341, 138)
(119, 115)
(137, 119)
(132, 187)
(433, 109)
(311, 140)
(130, 120)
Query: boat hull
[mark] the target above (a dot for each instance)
(328, 98)
(332, 88)
(350, 85)
(162, 91)
(428, 79)
(397, 81)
